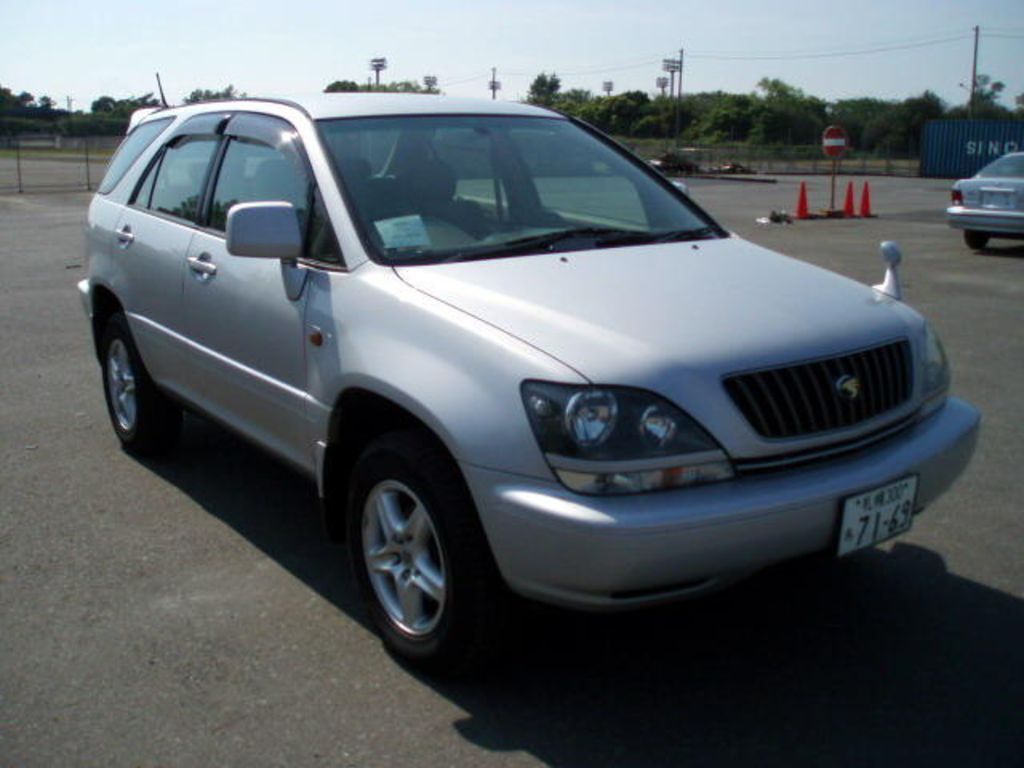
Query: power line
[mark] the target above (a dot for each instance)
(827, 55)
(903, 44)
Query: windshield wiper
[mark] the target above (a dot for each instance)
(683, 235)
(592, 237)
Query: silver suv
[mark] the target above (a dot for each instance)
(513, 358)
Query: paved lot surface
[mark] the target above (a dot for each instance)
(188, 612)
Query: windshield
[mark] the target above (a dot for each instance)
(459, 187)
(1006, 167)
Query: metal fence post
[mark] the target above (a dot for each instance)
(88, 178)
(17, 162)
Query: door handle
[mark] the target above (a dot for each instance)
(202, 265)
(125, 237)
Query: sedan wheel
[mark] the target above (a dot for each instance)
(975, 240)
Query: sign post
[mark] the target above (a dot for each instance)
(834, 143)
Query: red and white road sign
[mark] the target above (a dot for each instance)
(834, 141)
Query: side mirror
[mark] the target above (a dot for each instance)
(264, 231)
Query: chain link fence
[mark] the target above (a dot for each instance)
(42, 163)
(742, 159)
(53, 163)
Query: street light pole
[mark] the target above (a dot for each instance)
(679, 98)
(377, 65)
(974, 77)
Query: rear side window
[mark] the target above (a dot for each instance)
(133, 146)
(180, 174)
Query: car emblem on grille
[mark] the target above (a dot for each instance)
(848, 387)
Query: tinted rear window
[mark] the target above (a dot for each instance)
(133, 146)
(1008, 167)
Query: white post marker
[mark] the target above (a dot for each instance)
(834, 143)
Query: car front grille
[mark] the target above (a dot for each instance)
(800, 400)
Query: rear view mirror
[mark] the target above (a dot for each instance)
(264, 231)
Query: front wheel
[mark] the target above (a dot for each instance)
(145, 420)
(975, 240)
(420, 556)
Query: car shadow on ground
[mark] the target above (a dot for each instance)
(884, 658)
(1002, 250)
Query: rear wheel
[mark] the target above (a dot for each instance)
(975, 240)
(420, 556)
(144, 419)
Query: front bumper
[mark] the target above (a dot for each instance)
(610, 552)
(85, 294)
(986, 220)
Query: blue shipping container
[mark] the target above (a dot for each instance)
(956, 149)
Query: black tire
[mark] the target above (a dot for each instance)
(975, 240)
(153, 425)
(465, 629)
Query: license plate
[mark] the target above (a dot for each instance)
(996, 198)
(877, 515)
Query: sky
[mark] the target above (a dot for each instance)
(889, 49)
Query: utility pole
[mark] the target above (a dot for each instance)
(494, 85)
(679, 98)
(974, 77)
(672, 66)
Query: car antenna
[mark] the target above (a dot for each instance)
(160, 87)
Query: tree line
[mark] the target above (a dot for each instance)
(107, 116)
(774, 113)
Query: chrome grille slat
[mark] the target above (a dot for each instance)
(803, 399)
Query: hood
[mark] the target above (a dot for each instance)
(633, 316)
(675, 318)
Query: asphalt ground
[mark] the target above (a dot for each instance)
(188, 612)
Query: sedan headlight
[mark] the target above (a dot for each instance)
(611, 440)
(936, 366)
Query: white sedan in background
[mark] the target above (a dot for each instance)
(991, 203)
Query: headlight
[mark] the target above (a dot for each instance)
(936, 366)
(607, 440)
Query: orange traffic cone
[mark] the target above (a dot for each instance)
(802, 211)
(865, 202)
(848, 211)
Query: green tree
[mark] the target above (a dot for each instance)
(786, 115)
(856, 114)
(111, 107)
(573, 97)
(7, 98)
(202, 94)
(343, 86)
(544, 89)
